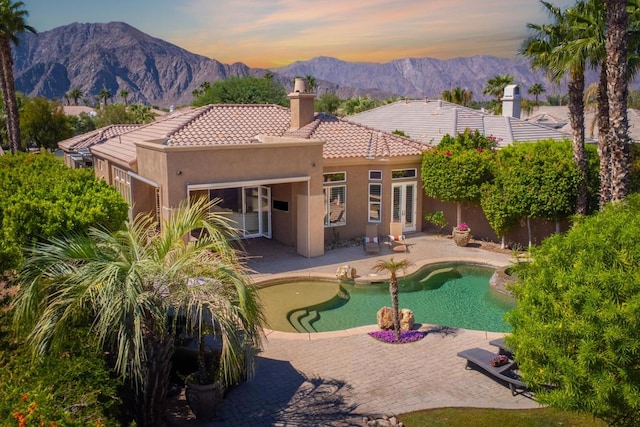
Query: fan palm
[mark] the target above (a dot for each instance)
(130, 282)
(391, 266)
(495, 85)
(546, 50)
(536, 90)
(12, 23)
(75, 94)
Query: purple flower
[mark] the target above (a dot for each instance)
(463, 226)
(389, 336)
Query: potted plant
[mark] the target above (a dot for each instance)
(204, 389)
(462, 234)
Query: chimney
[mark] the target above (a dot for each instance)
(511, 101)
(302, 108)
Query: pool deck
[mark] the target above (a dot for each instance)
(338, 378)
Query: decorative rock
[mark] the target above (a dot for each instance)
(346, 272)
(384, 318)
(407, 320)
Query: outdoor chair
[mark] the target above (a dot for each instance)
(481, 359)
(396, 237)
(371, 239)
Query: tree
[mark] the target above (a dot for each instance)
(82, 123)
(41, 198)
(546, 51)
(114, 114)
(75, 94)
(104, 95)
(43, 123)
(392, 267)
(242, 90)
(358, 105)
(138, 284)
(12, 23)
(536, 90)
(576, 325)
(311, 82)
(140, 114)
(495, 85)
(458, 95)
(124, 94)
(618, 137)
(457, 167)
(328, 103)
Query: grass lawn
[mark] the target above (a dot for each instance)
(477, 417)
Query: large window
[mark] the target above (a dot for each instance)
(375, 202)
(122, 183)
(335, 205)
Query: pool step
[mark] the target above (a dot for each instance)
(302, 320)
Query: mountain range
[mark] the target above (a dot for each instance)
(117, 56)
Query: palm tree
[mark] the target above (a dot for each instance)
(618, 137)
(12, 23)
(392, 268)
(104, 95)
(536, 90)
(311, 82)
(495, 85)
(446, 96)
(75, 94)
(546, 51)
(124, 94)
(130, 282)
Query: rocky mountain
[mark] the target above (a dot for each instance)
(117, 56)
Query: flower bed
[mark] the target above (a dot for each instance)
(389, 336)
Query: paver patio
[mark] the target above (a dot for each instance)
(337, 378)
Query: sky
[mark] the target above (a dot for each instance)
(274, 33)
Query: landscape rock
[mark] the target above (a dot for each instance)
(384, 318)
(346, 272)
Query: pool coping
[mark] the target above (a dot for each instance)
(273, 279)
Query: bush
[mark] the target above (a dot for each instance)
(70, 388)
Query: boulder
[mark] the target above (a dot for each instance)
(346, 272)
(385, 319)
(406, 319)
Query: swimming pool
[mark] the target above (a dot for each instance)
(453, 294)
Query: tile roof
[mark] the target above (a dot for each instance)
(429, 121)
(224, 124)
(95, 136)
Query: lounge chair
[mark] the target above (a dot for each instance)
(396, 237)
(480, 358)
(371, 239)
(502, 347)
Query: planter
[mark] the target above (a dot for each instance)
(461, 237)
(204, 399)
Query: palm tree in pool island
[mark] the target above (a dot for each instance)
(392, 267)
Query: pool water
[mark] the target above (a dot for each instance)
(455, 295)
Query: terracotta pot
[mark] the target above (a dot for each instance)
(204, 399)
(461, 238)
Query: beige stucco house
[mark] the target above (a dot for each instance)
(293, 175)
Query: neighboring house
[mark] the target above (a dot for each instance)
(428, 121)
(76, 149)
(559, 116)
(289, 174)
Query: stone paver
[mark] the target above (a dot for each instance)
(336, 379)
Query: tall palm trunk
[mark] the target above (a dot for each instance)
(576, 116)
(618, 137)
(393, 290)
(603, 130)
(151, 398)
(9, 94)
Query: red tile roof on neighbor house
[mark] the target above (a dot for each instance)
(95, 136)
(224, 124)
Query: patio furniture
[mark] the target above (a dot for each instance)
(396, 238)
(481, 359)
(371, 239)
(502, 347)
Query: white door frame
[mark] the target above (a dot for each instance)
(406, 201)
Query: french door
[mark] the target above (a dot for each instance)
(403, 207)
(257, 211)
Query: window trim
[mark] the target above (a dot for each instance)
(414, 176)
(370, 203)
(122, 183)
(327, 206)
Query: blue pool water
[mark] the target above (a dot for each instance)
(455, 295)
